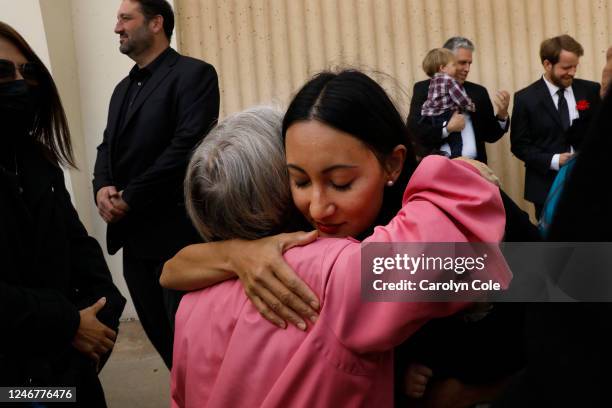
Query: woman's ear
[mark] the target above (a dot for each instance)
(395, 162)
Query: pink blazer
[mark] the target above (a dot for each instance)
(227, 355)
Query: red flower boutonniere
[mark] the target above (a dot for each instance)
(582, 105)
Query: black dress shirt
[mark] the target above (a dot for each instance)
(138, 79)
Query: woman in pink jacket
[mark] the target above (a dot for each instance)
(225, 353)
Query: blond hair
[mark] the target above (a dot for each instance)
(436, 58)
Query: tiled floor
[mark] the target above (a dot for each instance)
(135, 376)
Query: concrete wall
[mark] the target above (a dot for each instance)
(266, 49)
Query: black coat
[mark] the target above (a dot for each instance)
(537, 133)
(50, 270)
(568, 338)
(429, 138)
(147, 157)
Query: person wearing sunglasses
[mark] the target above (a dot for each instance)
(28, 71)
(58, 305)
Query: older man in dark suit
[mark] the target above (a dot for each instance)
(550, 116)
(477, 128)
(156, 117)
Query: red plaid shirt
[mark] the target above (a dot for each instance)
(446, 93)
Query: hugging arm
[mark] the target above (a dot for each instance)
(436, 208)
(275, 290)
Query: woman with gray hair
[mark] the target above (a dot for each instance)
(227, 354)
(222, 171)
(237, 186)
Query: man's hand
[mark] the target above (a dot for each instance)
(501, 99)
(106, 209)
(456, 123)
(93, 338)
(416, 378)
(564, 158)
(118, 202)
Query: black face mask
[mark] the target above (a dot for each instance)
(17, 108)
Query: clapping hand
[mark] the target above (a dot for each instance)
(501, 99)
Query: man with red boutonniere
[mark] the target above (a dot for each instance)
(551, 116)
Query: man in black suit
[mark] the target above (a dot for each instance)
(156, 117)
(476, 128)
(550, 116)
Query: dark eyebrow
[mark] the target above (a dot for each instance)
(327, 170)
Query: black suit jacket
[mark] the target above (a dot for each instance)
(174, 110)
(537, 133)
(50, 270)
(429, 138)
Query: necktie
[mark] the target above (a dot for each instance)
(563, 110)
(455, 142)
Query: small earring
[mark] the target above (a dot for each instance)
(390, 183)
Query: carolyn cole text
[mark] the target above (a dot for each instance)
(425, 285)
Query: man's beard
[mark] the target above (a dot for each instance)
(558, 81)
(139, 41)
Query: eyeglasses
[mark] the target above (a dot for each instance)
(30, 71)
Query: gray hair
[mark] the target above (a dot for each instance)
(454, 43)
(237, 184)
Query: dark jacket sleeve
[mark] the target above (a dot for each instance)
(30, 315)
(197, 112)
(101, 172)
(90, 276)
(428, 137)
(523, 144)
(489, 130)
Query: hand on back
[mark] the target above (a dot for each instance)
(275, 290)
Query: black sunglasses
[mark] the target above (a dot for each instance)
(30, 71)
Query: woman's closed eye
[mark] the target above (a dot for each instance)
(335, 185)
(342, 186)
(301, 183)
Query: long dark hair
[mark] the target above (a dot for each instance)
(584, 212)
(50, 126)
(352, 102)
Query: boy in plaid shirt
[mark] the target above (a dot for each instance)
(445, 95)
